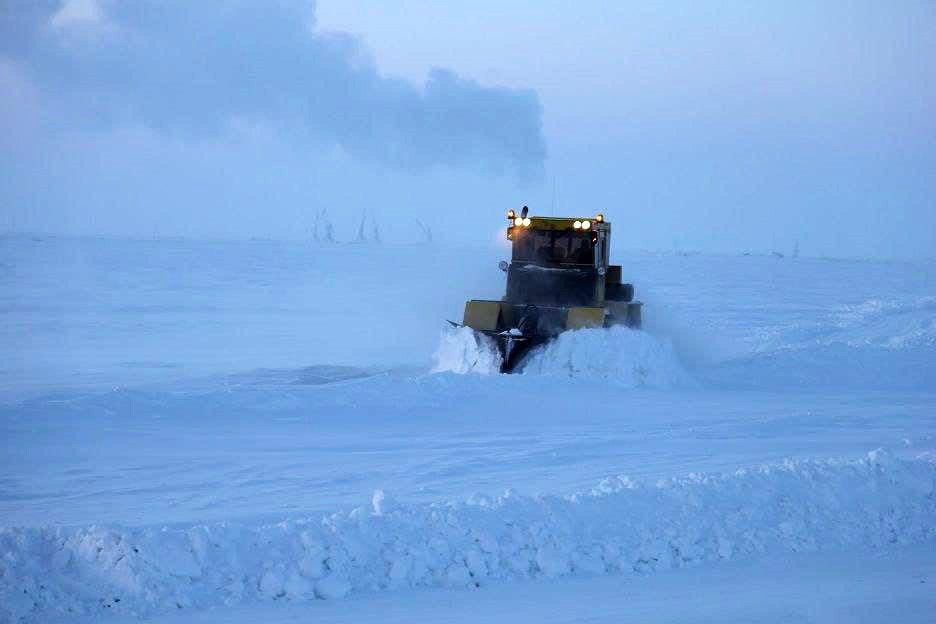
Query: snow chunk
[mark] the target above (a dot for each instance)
(463, 351)
(382, 503)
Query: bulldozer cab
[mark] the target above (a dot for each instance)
(558, 261)
(558, 279)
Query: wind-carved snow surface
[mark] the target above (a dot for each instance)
(621, 526)
(887, 324)
(895, 324)
(884, 344)
(627, 357)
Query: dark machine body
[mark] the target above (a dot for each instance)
(558, 279)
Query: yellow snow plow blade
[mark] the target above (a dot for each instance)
(581, 317)
(482, 315)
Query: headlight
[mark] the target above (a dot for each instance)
(511, 214)
(527, 222)
(599, 218)
(577, 225)
(586, 224)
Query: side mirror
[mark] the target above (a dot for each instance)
(502, 265)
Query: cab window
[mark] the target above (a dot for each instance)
(553, 247)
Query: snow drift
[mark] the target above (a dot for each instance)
(894, 324)
(621, 526)
(617, 354)
(881, 344)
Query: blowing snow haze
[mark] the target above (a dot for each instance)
(712, 126)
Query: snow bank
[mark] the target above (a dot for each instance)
(463, 351)
(619, 527)
(618, 354)
(625, 356)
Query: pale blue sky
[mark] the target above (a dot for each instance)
(719, 126)
(711, 123)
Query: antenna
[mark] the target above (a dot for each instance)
(553, 212)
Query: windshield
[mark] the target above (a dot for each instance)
(553, 247)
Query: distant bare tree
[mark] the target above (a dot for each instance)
(324, 231)
(317, 224)
(426, 230)
(375, 230)
(361, 237)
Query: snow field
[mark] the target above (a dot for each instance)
(620, 526)
(166, 403)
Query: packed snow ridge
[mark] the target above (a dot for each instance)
(619, 355)
(621, 526)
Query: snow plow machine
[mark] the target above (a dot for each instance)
(558, 279)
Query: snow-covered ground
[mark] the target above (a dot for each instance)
(248, 426)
